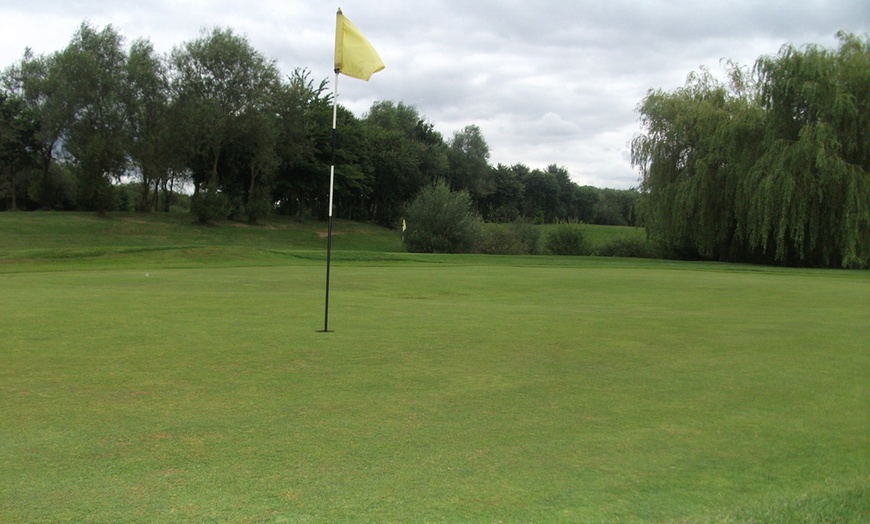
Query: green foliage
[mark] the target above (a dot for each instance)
(152, 134)
(405, 154)
(226, 92)
(39, 82)
(566, 239)
(442, 221)
(514, 238)
(210, 204)
(55, 189)
(468, 156)
(626, 247)
(92, 68)
(17, 129)
(814, 173)
(771, 170)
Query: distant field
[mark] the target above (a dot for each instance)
(193, 386)
(597, 235)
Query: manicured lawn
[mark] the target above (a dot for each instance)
(452, 389)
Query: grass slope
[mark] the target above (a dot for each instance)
(42, 241)
(453, 389)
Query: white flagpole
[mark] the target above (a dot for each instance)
(331, 190)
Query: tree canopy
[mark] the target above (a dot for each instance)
(217, 117)
(773, 166)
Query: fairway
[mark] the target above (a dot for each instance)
(452, 389)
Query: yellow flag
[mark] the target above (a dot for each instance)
(354, 55)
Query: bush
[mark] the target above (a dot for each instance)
(441, 221)
(210, 204)
(516, 238)
(626, 247)
(566, 239)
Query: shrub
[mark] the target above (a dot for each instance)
(566, 239)
(516, 238)
(442, 221)
(209, 205)
(626, 247)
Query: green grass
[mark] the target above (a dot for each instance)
(48, 241)
(598, 236)
(452, 389)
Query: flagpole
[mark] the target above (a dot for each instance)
(354, 57)
(331, 189)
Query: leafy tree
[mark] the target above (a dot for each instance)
(92, 68)
(147, 107)
(685, 167)
(304, 125)
(405, 154)
(468, 155)
(569, 194)
(615, 207)
(223, 86)
(37, 82)
(541, 191)
(772, 168)
(504, 203)
(586, 201)
(17, 146)
(808, 195)
(442, 221)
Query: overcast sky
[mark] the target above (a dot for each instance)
(547, 81)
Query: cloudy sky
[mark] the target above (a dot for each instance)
(547, 81)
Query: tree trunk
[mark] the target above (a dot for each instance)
(167, 193)
(156, 195)
(252, 218)
(144, 200)
(46, 180)
(12, 179)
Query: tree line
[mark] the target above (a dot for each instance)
(218, 118)
(772, 166)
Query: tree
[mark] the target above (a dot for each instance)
(304, 124)
(468, 155)
(808, 195)
(586, 201)
(504, 203)
(405, 154)
(772, 168)
(17, 147)
(92, 68)
(442, 221)
(686, 169)
(37, 82)
(541, 190)
(147, 109)
(223, 87)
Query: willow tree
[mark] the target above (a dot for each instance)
(808, 196)
(697, 142)
(771, 167)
